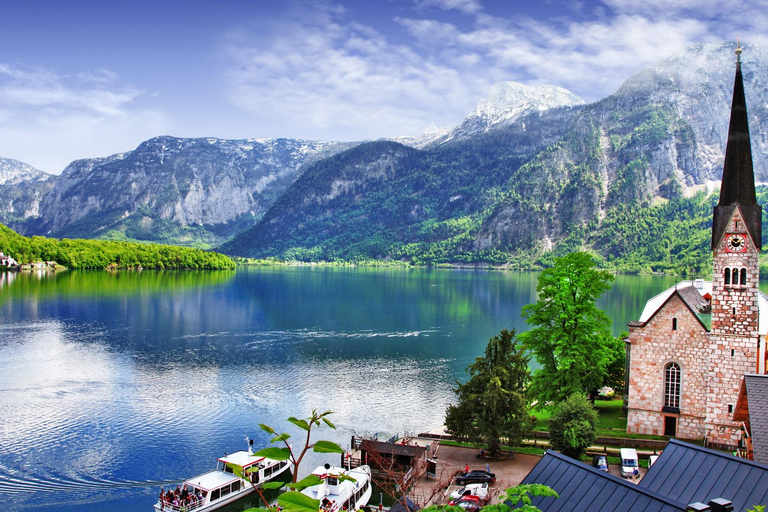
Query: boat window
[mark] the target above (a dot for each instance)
(224, 491)
(332, 480)
(268, 471)
(215, 494)
(229, 469)
(236, 486)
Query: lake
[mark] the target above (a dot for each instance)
(113, 384)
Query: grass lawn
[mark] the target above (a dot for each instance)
(611, 419)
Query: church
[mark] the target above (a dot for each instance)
(693, 343)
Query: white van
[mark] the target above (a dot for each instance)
(629, 463)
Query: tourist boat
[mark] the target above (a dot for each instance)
(221, 486)
(336, 493)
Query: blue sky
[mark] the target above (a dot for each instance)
(82, 79)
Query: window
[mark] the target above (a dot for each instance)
(674, 324)
(727, 276)
(672, 385)
(215, 494)
(743, 277)
(735, 276)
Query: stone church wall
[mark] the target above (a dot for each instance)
(655, 345)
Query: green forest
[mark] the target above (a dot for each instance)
(103, 254)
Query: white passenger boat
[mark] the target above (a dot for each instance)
(221, 486)
(335, 493)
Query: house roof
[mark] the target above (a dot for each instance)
(407, 450)
(753, 398)
(582, 487)
(688, 473)
(692, 294)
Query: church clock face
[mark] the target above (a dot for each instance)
(736, 243)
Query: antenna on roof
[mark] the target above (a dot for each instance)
(738, 50)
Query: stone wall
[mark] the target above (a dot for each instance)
(654, 345)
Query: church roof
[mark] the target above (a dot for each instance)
(738, 186)
(688, 473)
(692, 293)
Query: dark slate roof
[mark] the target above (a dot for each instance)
(408, 450)
(738, 187)
(582, 487)
(688, 473)
(757, 399)
(399, 507)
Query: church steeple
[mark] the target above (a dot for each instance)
(738, 186)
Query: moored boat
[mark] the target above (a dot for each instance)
(221, 486)
(337, 492)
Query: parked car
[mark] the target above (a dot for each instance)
(600, 462)
(480, 490)
(476, 476)
(472, 503)
(629, 462)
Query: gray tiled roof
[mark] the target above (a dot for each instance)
(757, 399)
(688, 473)
(582, 487)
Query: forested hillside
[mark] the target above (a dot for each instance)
(97, 254)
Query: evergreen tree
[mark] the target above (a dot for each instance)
(571, 338)
(573, 426)
(493, 403)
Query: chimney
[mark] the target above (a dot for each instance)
(697, 507)
(720, 505)
(698, 284)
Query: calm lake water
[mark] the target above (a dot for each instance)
(113, 384)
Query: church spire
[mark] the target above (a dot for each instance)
(738, 186)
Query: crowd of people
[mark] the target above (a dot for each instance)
(181, 498)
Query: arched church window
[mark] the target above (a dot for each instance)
(735, 276)
(727, 276)
(743, 277)
(672, 385)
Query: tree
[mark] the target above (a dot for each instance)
(295, 501)
(493, 403)
(573, 426)
(571, 339)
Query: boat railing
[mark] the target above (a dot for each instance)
(170, 507)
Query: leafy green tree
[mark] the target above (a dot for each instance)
(493, 403)
(571, 338)
(573, 426)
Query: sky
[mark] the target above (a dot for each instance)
(90, 78)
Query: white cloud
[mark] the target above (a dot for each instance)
(50, 119)
(340, 79)
(466, 6)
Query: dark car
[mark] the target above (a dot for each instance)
(600, 462)
(477, 476)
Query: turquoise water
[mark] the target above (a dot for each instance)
(113, 384)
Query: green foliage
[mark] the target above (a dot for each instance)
(493, 404)
(523, 492)
(570, 338)
(758, 508)
(573, 426)
(287, 452)
(95, 254)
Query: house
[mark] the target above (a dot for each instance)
(684, 477)
(695, 341)
(752, 412)
(7, 261)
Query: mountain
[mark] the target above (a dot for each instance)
(507, 103)
(187, 191)
(22, 188)
(516, 186)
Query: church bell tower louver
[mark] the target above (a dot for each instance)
(736, 243)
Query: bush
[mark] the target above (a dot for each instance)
(573, 426)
